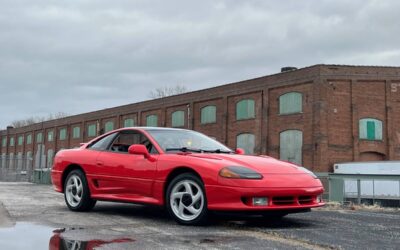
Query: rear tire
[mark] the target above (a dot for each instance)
(186, 200)
(77, 193)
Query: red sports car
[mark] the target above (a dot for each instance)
(185, 171)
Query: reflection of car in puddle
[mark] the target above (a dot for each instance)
(58, 242)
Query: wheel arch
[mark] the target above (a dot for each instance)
(174, 173)
(68, 170)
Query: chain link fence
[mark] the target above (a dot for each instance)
(16, 168)
(27, 167)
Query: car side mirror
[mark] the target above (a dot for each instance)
(239, 151)
(139, 149)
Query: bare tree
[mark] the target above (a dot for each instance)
(36, 119)
(167, 91)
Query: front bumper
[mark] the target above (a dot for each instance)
(56, 180)
(228, 198)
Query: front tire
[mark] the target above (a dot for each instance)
(77, 193)
(186, 200)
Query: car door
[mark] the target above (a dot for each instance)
(129, 174)
(98, 175)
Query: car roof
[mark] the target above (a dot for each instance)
(152, 128)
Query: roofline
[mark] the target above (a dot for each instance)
(317, 66)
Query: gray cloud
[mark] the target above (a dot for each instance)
(79, 56)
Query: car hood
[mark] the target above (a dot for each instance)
(261, 164)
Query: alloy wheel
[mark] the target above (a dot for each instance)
(74, 190)
(187, 200)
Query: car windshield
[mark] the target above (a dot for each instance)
(187, 141)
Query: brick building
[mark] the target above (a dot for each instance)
(314, 116)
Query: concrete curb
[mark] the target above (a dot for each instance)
(5, 219)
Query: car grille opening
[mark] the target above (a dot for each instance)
(283, 200)
(305, 200)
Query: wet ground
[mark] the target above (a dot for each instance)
(35, 217)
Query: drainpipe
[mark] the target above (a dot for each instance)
(188, 115)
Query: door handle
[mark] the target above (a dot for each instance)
(99, 163)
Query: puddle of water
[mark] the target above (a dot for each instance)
(57, 242)
(25, 236)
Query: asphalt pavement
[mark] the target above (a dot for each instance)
(39, 215)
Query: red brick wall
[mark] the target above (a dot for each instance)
(334, 99)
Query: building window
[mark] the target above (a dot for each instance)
(152, 121)
(2, 160)
(29, 159)
(208, 114)
(63, 134)
(50, 156)
(12, 142)
(178, 119)
(109, 126)
(4, 142)
(246, 142)
(370, 129)
(29, 156)
(291, 103)
(129, 122)
(11, 160)
(29, 139)
(91, 130)
(39, 137)
(50, 135)
(245, 109)
(19, 160)
(20, 140)
(290, 146)
(76, 132)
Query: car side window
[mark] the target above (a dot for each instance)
(125, 139)
(103, 143)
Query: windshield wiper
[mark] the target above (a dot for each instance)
(185, 149)
(218, 151)
(195, 150)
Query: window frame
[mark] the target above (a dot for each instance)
(75, 134)
(254, 142)
(20, 140)
(369, 120)
(205, 112)
(299, 132)
(62, 134)
(150, 116)
(153, 151)
(248, 116)
(39, 135)
(129, 119)
(29, 139)
(280, 112)
(89, 129)
(4, 141)
(112, 137)
(50, 135)
(107, 127)
(180, 115)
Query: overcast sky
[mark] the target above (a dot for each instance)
(78, 56)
